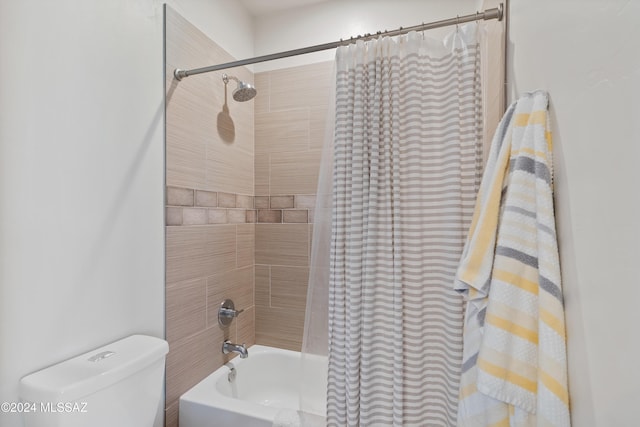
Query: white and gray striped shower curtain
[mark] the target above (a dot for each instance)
(407, 164)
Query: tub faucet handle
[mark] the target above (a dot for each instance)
(227, 312)
(230, 312)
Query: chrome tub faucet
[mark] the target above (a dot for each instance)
(229, 347)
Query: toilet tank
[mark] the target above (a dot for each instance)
(119, 384)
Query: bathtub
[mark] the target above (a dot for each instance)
(266, 386)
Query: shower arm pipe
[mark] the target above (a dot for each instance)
(493, 13)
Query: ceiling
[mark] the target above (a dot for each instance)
(261, 7)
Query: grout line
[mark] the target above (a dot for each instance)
(237, 245)
(270, 306)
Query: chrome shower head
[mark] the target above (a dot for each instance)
(244, 91)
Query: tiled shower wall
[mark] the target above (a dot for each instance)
(290, 117)
(226, 227)
(210, 235)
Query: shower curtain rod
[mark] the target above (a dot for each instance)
(494, 13)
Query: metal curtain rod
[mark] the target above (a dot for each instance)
(494, 13)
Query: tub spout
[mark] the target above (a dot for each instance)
(229, 347)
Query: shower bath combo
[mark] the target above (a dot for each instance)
(255, 391)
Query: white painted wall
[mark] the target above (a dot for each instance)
(335, 19)
(81, 174)
(587, 55)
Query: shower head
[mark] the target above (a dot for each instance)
(244, 91)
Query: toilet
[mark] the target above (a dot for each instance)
(119, 384)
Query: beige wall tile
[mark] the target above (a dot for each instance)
(300, 87)
(282, 131)
(171, 415)
(191, 359)
(195, 139)
(235, 284)
(261, 101)
(280, 328)
(246, 327)
(194, 216)
(237, 216)
(294, 173)
(246, 243)
(186, 156)
(282, 244)
(252, 216)
(262, 175)
(186, 308)
(242, 116)
(271, 216)
(243, 201)
(226, 200)
(262, 202)
(206, 198)
(210, 146)
(305, 201)
(289, 287)
(199, 251)
(263, 285)
(281, 202)
(295, 216)
(217, 216)
(229, 170)
(174, 216)
(317, 127)
(179, 196)
(189, 105)
(225, 124)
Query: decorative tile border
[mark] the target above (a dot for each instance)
(187, 206)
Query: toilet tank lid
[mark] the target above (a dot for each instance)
(92, 371)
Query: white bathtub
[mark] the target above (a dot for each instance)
(265, 384)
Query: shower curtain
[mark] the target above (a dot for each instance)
(407, 159)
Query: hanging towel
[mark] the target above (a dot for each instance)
(514, 370)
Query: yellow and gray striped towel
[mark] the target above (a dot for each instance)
(514, 369)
